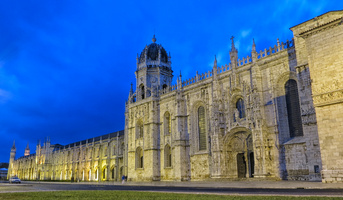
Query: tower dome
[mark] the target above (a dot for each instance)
(154, 52)
(153, 72)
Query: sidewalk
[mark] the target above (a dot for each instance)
(223, 184)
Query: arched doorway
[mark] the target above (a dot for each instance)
(239, 154)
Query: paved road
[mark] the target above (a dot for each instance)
(45, 186)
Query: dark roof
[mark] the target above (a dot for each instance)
(152, 52)
(90, 140)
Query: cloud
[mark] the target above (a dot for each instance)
(245, 33)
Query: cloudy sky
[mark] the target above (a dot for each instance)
(66, 66)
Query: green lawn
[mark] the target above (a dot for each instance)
(104, 195)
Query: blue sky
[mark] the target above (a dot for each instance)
(66, 66)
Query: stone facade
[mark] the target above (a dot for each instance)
(95, 159)
(320, 44)
(255, 117)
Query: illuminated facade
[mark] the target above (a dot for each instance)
(95, 159)
(273, 114)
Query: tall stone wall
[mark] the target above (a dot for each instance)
(322, 40)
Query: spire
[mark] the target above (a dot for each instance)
(233, 54)
(233, 48)
(27, 150)
(153, 39)
(253, 49)
(215, 61)
(13, 146)
(131, 90)
(215, 68)
(179, 82)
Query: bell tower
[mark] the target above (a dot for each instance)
(153, 71)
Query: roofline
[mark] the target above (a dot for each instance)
(315, 17)
(121, 133)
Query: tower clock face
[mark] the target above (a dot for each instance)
(153, 79)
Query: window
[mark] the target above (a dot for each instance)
(105, 152)
(167, 156)
(316, 169)
(240, 108)
(293, 109)
(113, 172)
(167, 123)
(104, 171)
(139, 158)
(142, 90)
(96, 174)
(201, 128)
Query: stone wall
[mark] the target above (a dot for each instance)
(322, 40)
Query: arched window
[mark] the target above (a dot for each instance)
(167, 123)
(241, 108)
(104, 171)
(114, 149)
(142, 90)
(96, 174)
(202, 128)
(167, 156)
(113, 172)
(139, 158)
(293, 109)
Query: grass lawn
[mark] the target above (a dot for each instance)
(130, 195)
